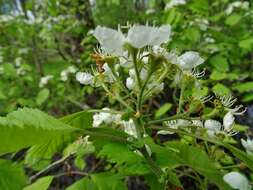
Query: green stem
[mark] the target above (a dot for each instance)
(181, 98)
(153, 166)
(119, 99)
(136, 70)
(140, 98)
(178, 116)
(105, 111)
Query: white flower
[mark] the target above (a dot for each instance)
(108, 73)
(197, 123)
(129, 127)
(228, 121)
(130, 83)
(174, 3)
(140, 36)
(65, 73)
(248, 145)
(44, 80)
(189, 60)
(143, 74)
(21, 71)
(71, 69)
(228, 102)
(174, 124)
(237, 181)
(112, 41)
(105, 117)
(18, 61)
(84, 78)
(213, 127)
(132, 73)
(97, 120)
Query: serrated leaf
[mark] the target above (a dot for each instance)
(39, 156)
(12, 175)
(27, 127)
(40, 184)
(199, 161)
(132, 163)
(80, 120)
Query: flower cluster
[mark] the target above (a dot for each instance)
(137, 64)
(115, 56)
(107, 117)
(244, 5)
(212, 127)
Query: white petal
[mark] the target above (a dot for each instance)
(112, 41)
(189, 60)
(129, 127)
(164, 132)
(160, 35)
(237, 181)
(248, 144)
(130, 83)
(84, 78)
(140, 36)
(228, 121)
(212, 125)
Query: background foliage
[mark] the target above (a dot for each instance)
(53, 39)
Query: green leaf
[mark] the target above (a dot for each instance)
(216, 75)
(199, 161)
(27, 127)
(42, 96)
(39, 156)
(193, 34)
(220, 89)
(241, 155)
(233, 19)
(83, 184)
(246, 44)
(153, 182)
(220, 63)
(42, 183)
(244, 87)
(163, 109)
(108, 181)
(12, 175)
(131, 163)
(247, 97)
(80, 120)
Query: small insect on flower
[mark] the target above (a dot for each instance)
(99, 62)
